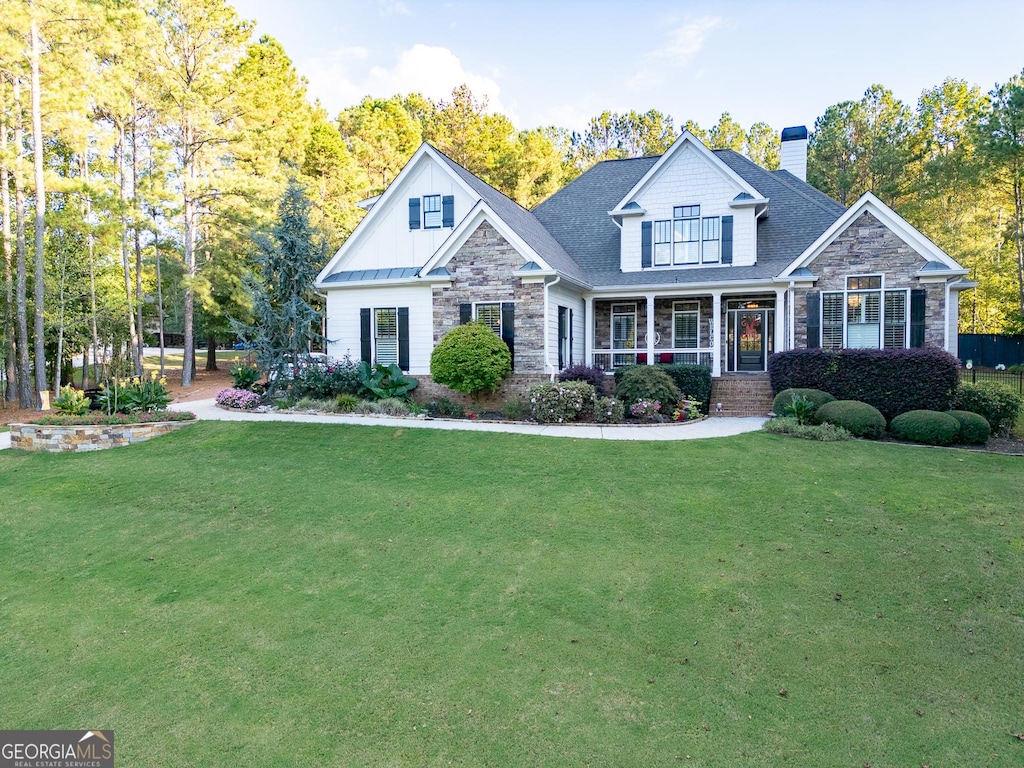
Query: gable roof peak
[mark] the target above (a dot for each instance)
(686, 139)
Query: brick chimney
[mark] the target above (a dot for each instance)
(793, 157)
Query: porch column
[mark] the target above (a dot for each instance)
(781, 318)
(650, 328)
(716, 333)
(588, 324)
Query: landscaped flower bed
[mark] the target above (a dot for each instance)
(61, 433)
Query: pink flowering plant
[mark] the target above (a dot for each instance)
(645, 410)
(237, 398)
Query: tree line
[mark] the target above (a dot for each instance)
(143, 144)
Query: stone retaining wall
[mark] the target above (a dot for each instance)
(86, 437)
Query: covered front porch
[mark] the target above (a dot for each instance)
(726, 331)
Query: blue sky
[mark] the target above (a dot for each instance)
(561, 63)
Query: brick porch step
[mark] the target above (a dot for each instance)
(742, 394)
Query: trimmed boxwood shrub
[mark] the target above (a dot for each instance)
(928, 427)
(974, 429)
(647, 382)
(857, 418)
(999, 404)
(892, 380)
(785, 397)
(593, 375)
(471, 358)
(692, 380)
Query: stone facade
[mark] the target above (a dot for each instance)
(483, 271)
(87, 437)
(868, 247)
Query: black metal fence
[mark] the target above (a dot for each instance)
(1013, 380)
(987, 350)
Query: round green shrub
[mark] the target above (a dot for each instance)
(648, 382)
(471, 358)
(928, 427)
(608, 410)
(974, 429)
(999, 404)
(857, 418)
(785, 397)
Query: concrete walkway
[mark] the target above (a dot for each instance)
(5, 440)
(713, 427)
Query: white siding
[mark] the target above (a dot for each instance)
(343, 320)
(389, 242)
(566, 296)
(689, 178)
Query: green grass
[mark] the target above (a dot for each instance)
(280, 595)
(152, 362)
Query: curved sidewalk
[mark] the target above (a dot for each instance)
(712, 427)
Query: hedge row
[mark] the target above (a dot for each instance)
(892, 380)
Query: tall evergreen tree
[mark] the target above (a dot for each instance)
(288, 259)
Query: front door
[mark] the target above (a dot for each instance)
(749, 333)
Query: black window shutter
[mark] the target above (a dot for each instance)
(562, 311)
(646, 244)
(414, 213)
(448, 211)
(403, 338)
(727, 239)
(365, 338)
(813, 319)
(917, 316)
(570, 336)
(465, 313)
(508, 330)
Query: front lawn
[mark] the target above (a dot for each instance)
(291, 595)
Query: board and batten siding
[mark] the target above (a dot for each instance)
(343, 320)
(689, 178)
(391, 243)
(565, 296)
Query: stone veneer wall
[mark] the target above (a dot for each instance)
(482, 271)
(87, 437)
(868, 247)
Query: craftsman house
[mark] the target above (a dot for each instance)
(696, 256)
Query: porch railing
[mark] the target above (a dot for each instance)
(610, 359)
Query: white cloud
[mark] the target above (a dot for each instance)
(393, 8)
(681, 45)
(686, 41)
(341, 78)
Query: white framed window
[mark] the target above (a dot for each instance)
(662, 243)
(685, 325)
(686, 237)
(623, 332)
(385, 335)
(431, 211)
(865, 315)
(489, 313)
(711, 239)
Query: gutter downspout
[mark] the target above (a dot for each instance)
(547, 328)
(945, 318)
(791, 315)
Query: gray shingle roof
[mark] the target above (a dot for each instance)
(523, 222)
(577, 217)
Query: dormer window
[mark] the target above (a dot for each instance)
(432, 212)
(687, 239)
